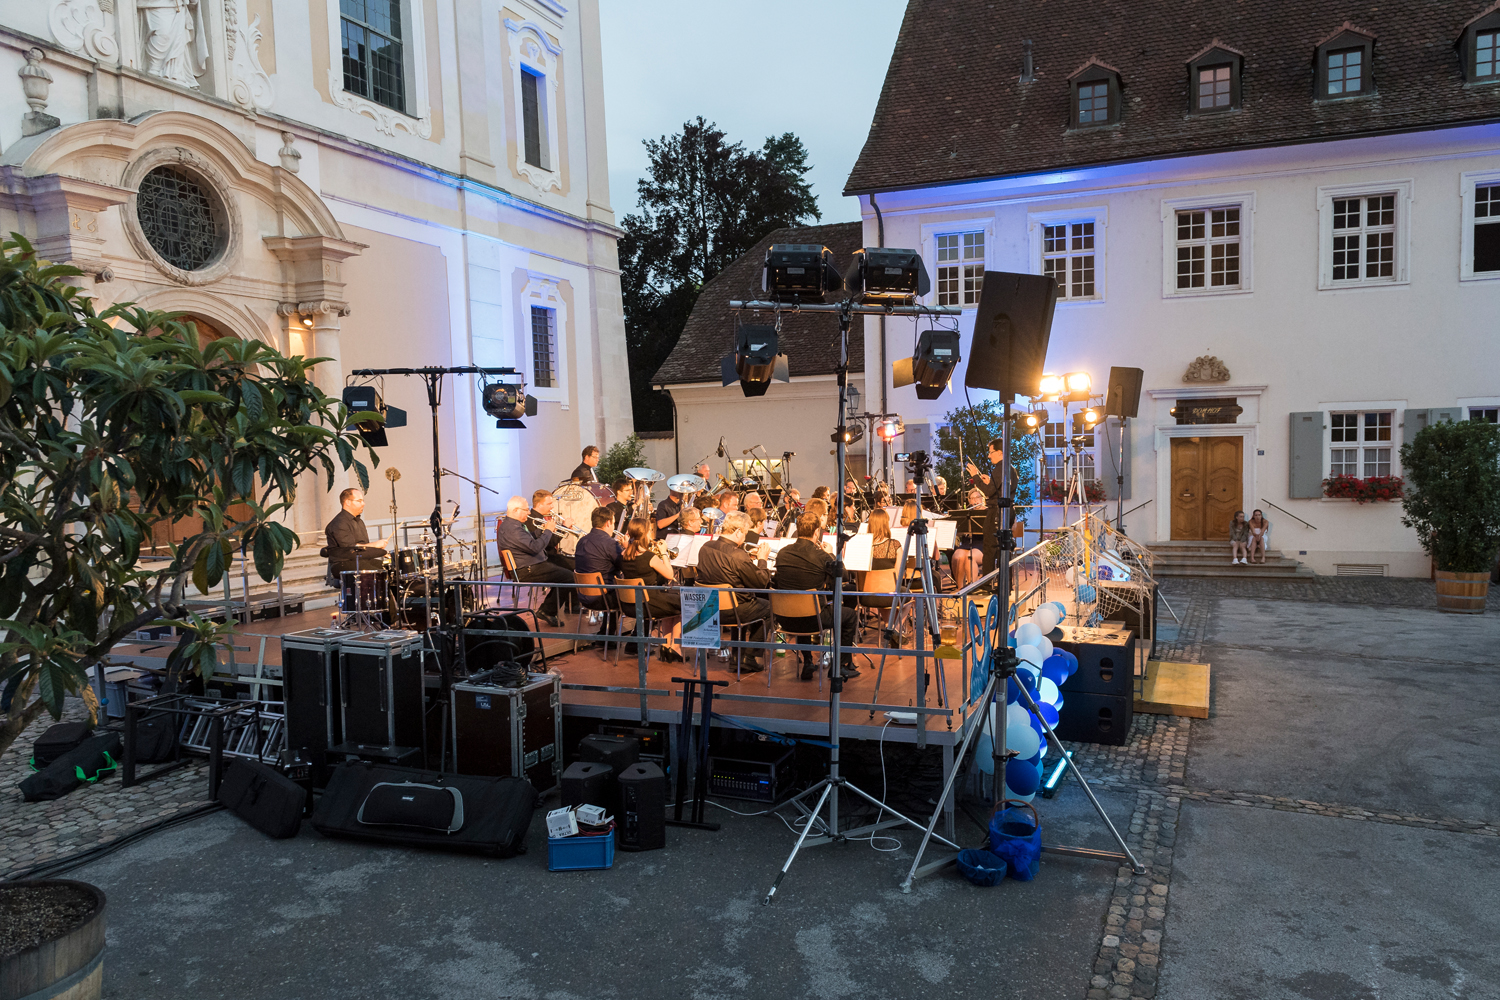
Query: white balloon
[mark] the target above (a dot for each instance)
(1045, 645)
(1012, 795)
(1027, 634)
(1030, 654)
(1068, 576)
(1047, 692)
(1023, 740)
(1062, 610)
(1016, 717)
(1046, 618)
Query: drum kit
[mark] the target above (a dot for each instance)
(396, 594)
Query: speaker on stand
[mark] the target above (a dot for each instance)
(1123, 400)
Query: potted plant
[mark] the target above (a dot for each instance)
(1452, 499)
(51, 939)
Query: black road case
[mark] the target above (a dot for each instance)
(517, 731)
(310, 688)
(382, 692)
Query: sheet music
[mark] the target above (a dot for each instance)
(687, 547)
(857, 551)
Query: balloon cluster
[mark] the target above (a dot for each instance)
(1041, 672)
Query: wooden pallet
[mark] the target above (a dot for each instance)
(1175, 689)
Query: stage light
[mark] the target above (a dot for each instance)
(931, 366)
(890, 428)
(1091, 416)
(366, 399)
(1052, 385)
(1050, 785)
(1078, 382)
(508, 404)
(852, 433)
(755, 360)
(801, 272)
(1033, 420)
(886, 274)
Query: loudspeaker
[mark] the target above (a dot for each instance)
(1011, 330)
(1095, 718)
(1106, 661)
(642, 820)
(619, 752)
(588, 783)
(1124, 396)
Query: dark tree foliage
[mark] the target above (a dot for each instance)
(1452, 495)
(976, 426)
(704, 202)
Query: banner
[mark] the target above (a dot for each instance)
(700, 618)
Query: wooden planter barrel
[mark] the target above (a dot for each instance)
(1462, 593)
(70, 967)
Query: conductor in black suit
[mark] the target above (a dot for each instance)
(989, 485)
(348, 539)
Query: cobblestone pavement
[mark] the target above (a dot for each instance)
(32, 833)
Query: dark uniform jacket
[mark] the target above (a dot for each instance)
(584, 473)
(527, 548)
(347, 544)
(598, 552)
(723, 562)
(669, 507)
(804, 565)
(991, 492)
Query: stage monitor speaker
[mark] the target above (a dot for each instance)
(1124, 396)
(1106, 661)
(1095, 718)
(588, 783)
(642, 820)
(1011, 330)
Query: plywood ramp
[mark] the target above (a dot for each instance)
(1175, 689)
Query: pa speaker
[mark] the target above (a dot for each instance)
(1124, 396)
(1011, 329)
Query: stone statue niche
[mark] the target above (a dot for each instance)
(176, 44)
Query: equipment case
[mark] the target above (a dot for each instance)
(516, 731)
(310, 687)
(380, 677)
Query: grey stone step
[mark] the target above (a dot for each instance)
(1267, 572)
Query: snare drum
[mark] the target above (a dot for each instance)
(414, 561)
(364, 590)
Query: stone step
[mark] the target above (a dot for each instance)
(1267, 572)
(1215, 559)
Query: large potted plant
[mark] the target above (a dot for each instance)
(1452, 499)
(51, 940)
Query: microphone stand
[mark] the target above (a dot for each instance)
(484, 573)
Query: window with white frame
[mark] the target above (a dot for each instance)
(1360, 443)
(1056, 446)
(1485, 414)
(1364, 238)
(533, 94)
(1486, 228)
(960, 268)
(1208, 248)
(1069, 251)
(374, 60)
(543, 348)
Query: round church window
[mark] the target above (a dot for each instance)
(180, 217)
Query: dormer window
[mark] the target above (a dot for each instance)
(1214, 78)
(1343, 64)
(1095, 88)
(1479, 47)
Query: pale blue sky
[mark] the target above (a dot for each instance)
(757, 69)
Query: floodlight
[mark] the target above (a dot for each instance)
(366, 399)
(852, 433)
(886, 274)
(508, 404)
(1052, 385)
(1078, 382)
(1091, 416)
(931, 366)
(755, 360)
(1034, 419)
(890, 428)
(801, 272)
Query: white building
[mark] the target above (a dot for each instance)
(1305, 200)
(387, 183)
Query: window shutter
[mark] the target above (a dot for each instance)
(1305, 476)
(1414, 421)
(1107, 463)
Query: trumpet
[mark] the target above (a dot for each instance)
(659, 547)
(558, 525)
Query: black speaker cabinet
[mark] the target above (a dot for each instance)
(310, 687)
(1124, 396)
(1011, 328)
(382, 692)
(642, 820)
(1106, 661)
(502, 730)
(588, 783)
(1095, 718)
(654, 739)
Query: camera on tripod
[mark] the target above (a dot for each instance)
(918, 463)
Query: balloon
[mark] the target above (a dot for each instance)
(984, 755)
(1011, 696)
(1045, 645)
(1029, 675)
(1031, 654)
(1016, 717)
(1062, 610)
(1047, 691)
(1017, 795)
(1027, 634)
(1023, 740)
(1072, 661)
(1050, 714)
(1055, 668)
(1068, 575)
(1046, 618)
(1087, 594)
(1022, 778)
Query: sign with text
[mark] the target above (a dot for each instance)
(700, 618)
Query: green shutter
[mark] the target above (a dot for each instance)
(1415, 420)
(1107, 462)
(1305, 474)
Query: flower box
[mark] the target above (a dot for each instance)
(1371, 490)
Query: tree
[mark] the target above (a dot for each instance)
(703, 203)
(111, 423)
(976, 426)
(622, 455)
(1451, 494)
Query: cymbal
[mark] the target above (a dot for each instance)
(645, 475)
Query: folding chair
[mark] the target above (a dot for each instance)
(790, 604)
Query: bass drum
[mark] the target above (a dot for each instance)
(575, 503)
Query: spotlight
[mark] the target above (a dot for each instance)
(885, 274)
(852, 433)
(1083, 423)
(755, 360)
(307, 321)
(366, 399)
(932, 365)
(1078, 382)
(1052, 385)
(802, 272)
(508, 404)
(1032, 421)
(890, 428)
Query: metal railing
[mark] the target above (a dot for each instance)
(1288, 513)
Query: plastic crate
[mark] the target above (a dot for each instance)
(571, 854)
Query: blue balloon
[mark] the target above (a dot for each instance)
(1072, 660)
(1011, 695)
(1050, 714)
(1028, 680)
(1061, 609)
(1087, 594)
(1022, 777)
(984, 754)
(1055, 669)
(1035, 758)
(1037, 725)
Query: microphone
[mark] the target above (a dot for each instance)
(721, 448)
(750, 449)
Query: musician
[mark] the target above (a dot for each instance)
(791, 503)
(817, 505)
(598, 552)
(530, 552)
(668, 511)
(703, 472)
(729, 503)
(542, 503)
(911, 486)
(624, 493)
(988, 485)
(348, 539)
(808, 565)
(647, 560)
(968, 552)
(691, 522)
(821, 493)
(724, 561)
(757, 517)
(585, 471)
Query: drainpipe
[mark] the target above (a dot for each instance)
(676, 440)
(885, 451)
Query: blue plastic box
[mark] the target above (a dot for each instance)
(571, 854)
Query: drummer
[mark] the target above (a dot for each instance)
(348, 539)
(585, 471)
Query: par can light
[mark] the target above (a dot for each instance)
(755, 361)
(930, 368)
(890, 428)
(1052, 385)
(366, 399)
(800, 272)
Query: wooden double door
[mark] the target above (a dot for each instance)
(1207, 473)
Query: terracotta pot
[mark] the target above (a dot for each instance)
(69, 967)
(1461, 593)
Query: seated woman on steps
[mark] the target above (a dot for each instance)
(1260, 529)
(1239, 539)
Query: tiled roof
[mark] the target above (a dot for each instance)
(809, 341)
(954, 108)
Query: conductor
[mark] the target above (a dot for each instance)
(348, 539)
(989, 485)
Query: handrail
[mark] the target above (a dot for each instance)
(1136, 507)
(1287, 513)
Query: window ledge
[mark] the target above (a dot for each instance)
(1361, 285)
(1347, 97)
(1209, 293)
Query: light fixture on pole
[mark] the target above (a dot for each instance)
(755, 361)
(796, 272)
(887, 274)
(851, 434)
(508, 404)
(1074, 387)
(890, 428)
(930, 368)
(366, 399)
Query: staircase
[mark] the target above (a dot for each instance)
(1212, 559)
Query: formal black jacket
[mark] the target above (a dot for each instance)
(584, 473)
(804, 565)
(598, 552)
(347, 538)
(723, 562)
(991, 491)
